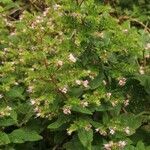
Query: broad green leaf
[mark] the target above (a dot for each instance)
(23, 135)
(81, 110)
(140, 145)
(86, 138)
(4, 139)
(58, 123)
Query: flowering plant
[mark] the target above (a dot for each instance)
(74, 77)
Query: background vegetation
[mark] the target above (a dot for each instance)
(74, 74)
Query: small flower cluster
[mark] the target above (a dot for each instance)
(1, 96)
(64, 89)
(5, 111)
(111, 145)
(72, 58)
(84, 103)
(101, 132)
(36, 103)
(84, 83)
(147, 47)
(127, 130)
(122, 81)
(67, 110)
(30, 89)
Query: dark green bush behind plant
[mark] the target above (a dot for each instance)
(72, 77)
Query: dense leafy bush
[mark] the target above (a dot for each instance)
(72, 77)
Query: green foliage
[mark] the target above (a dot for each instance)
(73, 76)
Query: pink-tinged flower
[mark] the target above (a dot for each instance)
(30, 89)
(108, 146)
(122, 81)
(67, 110)
(127, 130)
(72, 58)
(126, 102)
(108, 95)
(84, 104)
(78, 82)
(122, 144)
(85, 83)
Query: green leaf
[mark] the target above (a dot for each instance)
(86, 138)
(140, 145)
(16, 92)
(23, 135)
(58, 123)
(144, 81)
(4, 139)
(96, 82)
(81, 110)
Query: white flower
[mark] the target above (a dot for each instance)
(69, 132)
(104, 133)
(88, 127)
(126, 102)
(32, 102)
(56, 6)
(85, 83)
(59, 63)
(1, 96)
(107, 147)
(127, 130)
(84, 104)
(141, 70)
(122, 144)
(66, 110)
(16, 83)
(78, 82)
(72, 58)
(97, 129)
(125, 30)
(122, 81)
(147, 46)
(38, 114)
(112, 131)
(108, 95)
(64, 90)
(104, 82)
(114, 103)
(9, 108)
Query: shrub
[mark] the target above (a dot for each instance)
(73, 77)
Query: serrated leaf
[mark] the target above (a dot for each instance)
(23, 135)
(86, 138)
